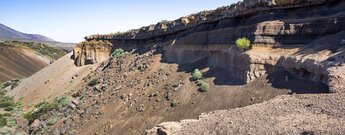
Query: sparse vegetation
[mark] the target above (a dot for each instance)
(8, 104)
(118, 53)
(43, 49)
(15, 83)
(197, 74)
(3, 121)
(53, 121)
(142, 67)
(168, 96)
(6, 101)
(4, 85)
(63, 101)
(203, 86)
(243, 43)
(44, 111)
(40, 108)
(11, 122)
(93, 82)
(8, 108)
(174, 103)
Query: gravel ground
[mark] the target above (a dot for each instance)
(285, 114)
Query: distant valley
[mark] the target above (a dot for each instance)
(22, 54)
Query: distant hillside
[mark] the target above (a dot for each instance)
(7, 33)
(22, 59)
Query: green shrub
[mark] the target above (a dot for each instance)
(203, 86)
(19, 103)
(8, 108)
(243, 43)
(28, 115)
(53, 121)
(40, 109)
(6, 101)
(197, 74)
(3, 121)
(93, 82)
(46, 106)
(174, 103)
(118, 53)
(142, 67)
(11, 122)
(63, 101)
(6, 114)
(2, 92)
(4, 104)
(73, 132)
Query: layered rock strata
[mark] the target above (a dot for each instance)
(230, 16)
(91, 52)
(286, 25)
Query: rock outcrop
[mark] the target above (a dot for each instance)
(293, 25)
(227, 16)
(91, 52)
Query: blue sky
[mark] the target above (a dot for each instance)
(71, 20)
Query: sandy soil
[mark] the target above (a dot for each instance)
(52, 81)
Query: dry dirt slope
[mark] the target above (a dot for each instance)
(136, 92)
(52, 81)
(129, 100)
(17, 62)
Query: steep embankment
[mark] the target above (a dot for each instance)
(55, 80)
(22, 59)
(17, 62)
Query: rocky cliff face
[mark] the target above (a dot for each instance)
(91, 52)
(288, 36)
(232, 16)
